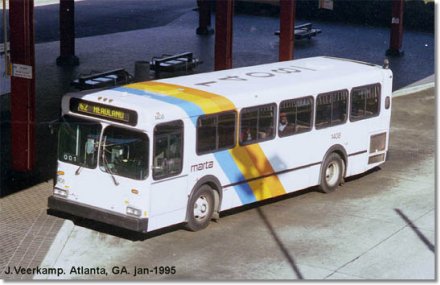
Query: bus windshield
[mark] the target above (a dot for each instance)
(78, 141)
(124, 152)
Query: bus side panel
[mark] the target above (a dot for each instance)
(168, 200)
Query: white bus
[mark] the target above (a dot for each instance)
(153, 154)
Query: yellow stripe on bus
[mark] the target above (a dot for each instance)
(252, 163)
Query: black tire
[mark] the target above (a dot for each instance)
(200, 209)
(332, 173)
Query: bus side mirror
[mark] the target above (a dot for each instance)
(54, 126)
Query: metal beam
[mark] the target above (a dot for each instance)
(21, 22)
(396, 33)
(287, 29)
(223, 35)
(67, 34)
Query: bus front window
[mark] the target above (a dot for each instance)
(78, 141)
(124, 153)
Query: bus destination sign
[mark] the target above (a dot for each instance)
(107, 112)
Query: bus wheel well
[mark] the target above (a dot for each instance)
(215, 185)
(339, 150)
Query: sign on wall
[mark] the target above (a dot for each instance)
(326, 4)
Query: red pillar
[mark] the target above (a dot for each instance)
(287, 24)
(396, 34)
(223, 35)
(204, 18)
(67, 34)
(21, 21)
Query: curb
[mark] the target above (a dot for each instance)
(409, 90)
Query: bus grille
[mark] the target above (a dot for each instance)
(376, 158)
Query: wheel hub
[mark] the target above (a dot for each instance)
(201, 208)
(332, 173)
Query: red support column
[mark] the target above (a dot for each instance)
(396, 34)
(204, 18)
(287, 29)
(67, 34)
(223, 35)
(21, 21)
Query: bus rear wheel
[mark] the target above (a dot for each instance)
(332, 173)
(200, 209)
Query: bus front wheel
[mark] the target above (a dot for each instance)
(200, 209)
(332, 173)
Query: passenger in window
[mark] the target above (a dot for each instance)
(284, 127)
(246, 135)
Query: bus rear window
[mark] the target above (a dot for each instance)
(331, 109)
(365, 102)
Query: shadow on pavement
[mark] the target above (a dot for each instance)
(113, 230)
(421, 236)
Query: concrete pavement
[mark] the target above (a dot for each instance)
(380, 226)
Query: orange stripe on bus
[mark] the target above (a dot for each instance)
(209, 102)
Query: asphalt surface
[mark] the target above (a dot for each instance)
(100, 17)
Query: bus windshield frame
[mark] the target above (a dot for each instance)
(87, 143)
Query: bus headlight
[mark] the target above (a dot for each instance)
(60, 192)
(133, 211)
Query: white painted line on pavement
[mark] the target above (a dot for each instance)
(56, 248)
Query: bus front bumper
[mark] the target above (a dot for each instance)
(97, 214)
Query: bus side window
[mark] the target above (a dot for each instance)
(331, 109)
(295, 116)
(168, 150)
(364, 102)
(215, 132)
(257, 124)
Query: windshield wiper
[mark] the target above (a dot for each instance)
(108, 168)
(78, 171)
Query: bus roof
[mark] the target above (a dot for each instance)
(218, 91)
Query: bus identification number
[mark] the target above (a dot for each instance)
(69, 157)
(336, 136)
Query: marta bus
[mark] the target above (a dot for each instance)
(180, 150)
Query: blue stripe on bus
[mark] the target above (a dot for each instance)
(224, 158)
(190, 108)
(231, 170)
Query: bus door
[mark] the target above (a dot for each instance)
(169, 194)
